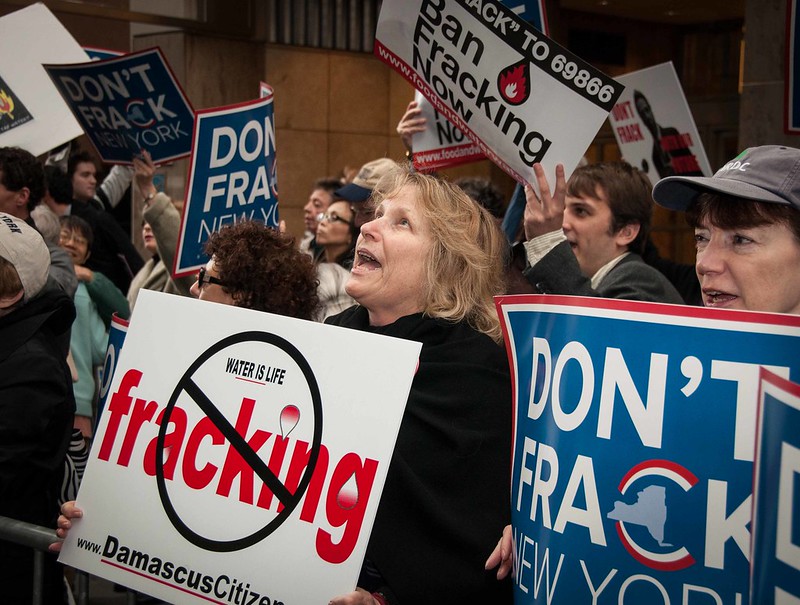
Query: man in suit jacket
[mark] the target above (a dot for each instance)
(584, 238)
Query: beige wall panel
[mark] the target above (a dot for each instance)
(300, 79)
(401, 93)
(359, 94)
(294, 221)
(222, 72)
(173, 45)
(302, 159)
(355, 150)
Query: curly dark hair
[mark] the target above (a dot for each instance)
(264, 270)
(18, 169)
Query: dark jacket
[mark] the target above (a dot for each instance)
(631, 279)
(113, 253)
(682, 276)
(36, 415)
(446, 497)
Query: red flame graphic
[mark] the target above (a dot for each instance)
(514, 83)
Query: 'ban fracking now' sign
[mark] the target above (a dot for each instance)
(236, 457)
(635, 428)
(232, 176)
(441, 144)
(128, 103)
(518, 95)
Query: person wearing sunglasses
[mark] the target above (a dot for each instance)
(256, 267)
(337, 235)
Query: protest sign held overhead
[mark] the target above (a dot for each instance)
(33, 115)
(520, 96)
(232, 176)
(442, 144)
(654, 127)
(635, 427)
(127, 104)
(775, 553)
(98, 54)
(237, 457)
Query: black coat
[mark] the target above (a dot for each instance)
(631, 279)
(113, 253)
(36, 414)
(446, 498)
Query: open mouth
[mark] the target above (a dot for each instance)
(365, 261)
(717, 298)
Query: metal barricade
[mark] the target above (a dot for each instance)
(34, 536)
(39, 539)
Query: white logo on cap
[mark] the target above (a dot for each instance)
(740, 166)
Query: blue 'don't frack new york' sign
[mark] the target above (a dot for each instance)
(633, 457)
(775, 553)
(126, 104)
(232, 176)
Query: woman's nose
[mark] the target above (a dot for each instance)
(370, 229)
(711, 259)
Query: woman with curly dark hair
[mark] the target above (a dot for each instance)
(255, 267)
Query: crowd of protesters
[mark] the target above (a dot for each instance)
(392, 252)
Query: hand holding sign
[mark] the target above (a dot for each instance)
(545, 213)
(411, 123)
(145, 169)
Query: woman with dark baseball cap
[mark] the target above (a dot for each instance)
(747, 229)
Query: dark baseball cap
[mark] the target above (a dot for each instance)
(364, 182)
(770, 173)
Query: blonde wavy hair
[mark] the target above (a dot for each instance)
(465, 265)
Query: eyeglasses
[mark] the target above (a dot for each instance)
(332, 217)
(67, 236)
(204, 278)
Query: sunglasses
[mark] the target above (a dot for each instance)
(204, 278)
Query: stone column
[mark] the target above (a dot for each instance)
(761, 113)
